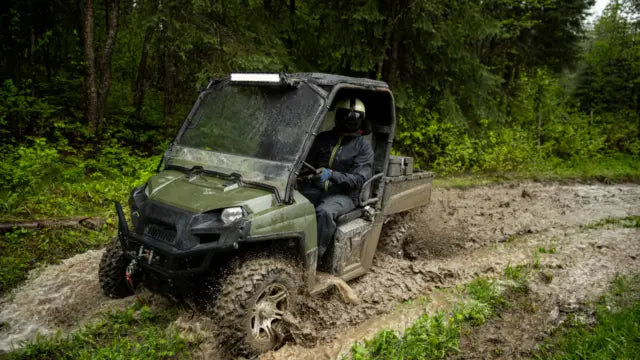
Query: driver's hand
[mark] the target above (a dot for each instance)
(323, 174)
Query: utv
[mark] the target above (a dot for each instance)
(223, 211)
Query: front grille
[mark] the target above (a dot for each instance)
(161, 233)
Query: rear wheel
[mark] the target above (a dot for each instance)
(113, 267)
(252, 303)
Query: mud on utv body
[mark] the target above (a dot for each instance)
(181, 240)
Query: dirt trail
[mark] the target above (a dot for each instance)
(579, 272)
(441, 246)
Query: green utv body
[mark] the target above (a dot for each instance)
(222, 220)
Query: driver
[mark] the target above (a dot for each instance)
(344, 161)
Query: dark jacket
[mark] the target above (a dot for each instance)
(349, 156)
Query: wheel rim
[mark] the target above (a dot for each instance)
(267, 312)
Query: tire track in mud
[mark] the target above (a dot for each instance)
(445, 243)
(580, 271)
(584, 263)
(443, 236)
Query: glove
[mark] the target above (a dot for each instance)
(323, 174)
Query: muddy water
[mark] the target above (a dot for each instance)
(59, 297)
(463, 233)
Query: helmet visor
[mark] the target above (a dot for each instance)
(349, 114)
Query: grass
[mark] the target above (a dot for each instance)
(625, 222)
(135, 333)
(615, 168)
(615, 335)
(518, 275)
(436, 336)
(41, 183)
(550, 250)
(23, 250)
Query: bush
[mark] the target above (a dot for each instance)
(22, 114)
(23, 167)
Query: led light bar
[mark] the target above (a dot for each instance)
(271, 78)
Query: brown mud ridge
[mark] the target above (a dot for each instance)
(462, 234)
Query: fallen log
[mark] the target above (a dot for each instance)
(93, 223)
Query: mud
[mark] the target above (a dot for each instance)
(462, 234)
(578, 273)
(60, 297)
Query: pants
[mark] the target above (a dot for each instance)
(328, 208)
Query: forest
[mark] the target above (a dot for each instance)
(92, 92)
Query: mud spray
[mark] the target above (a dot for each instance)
(442, 245)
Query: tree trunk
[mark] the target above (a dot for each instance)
(97, 92)
(292, 22)
(91, 108)
(141, 78)
(105, 60)
(168, 87)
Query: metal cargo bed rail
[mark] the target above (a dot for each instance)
(406, 192)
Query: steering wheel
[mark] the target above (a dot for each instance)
(306, 171)
(308, 166)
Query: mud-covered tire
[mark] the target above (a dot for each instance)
(248, 285)
(113, 267)
(394, 233)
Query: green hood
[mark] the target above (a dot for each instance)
(202, 193)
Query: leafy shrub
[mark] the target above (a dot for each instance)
(22, 114)
(23, 167)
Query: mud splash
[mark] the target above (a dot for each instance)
(462, 234)
(59, 297)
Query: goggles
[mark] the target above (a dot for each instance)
(343, 113)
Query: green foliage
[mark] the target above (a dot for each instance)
(24, 250)
(41, 180)
(632, 221)
(473, 312)
(21, 113)
(486, 291)
(430, 337)
(437, 336)
(135, 333)
(478, 85)
(615, 334)
(543, 250)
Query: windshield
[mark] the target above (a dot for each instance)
(256, 131)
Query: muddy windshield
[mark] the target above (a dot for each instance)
(255, 131)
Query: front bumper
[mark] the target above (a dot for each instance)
(168, 261)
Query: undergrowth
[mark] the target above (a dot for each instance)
(24, 250)
(615, 334)
(42, 181)
(135, 333)
(615, 168)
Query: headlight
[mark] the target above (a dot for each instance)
(230, 215)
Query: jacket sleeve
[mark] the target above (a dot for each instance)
(359, 172)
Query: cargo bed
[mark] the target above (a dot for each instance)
(406, 192)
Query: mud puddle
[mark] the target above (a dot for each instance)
(462, 233)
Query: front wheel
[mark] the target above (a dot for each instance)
(253, 300)
(113, 268)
